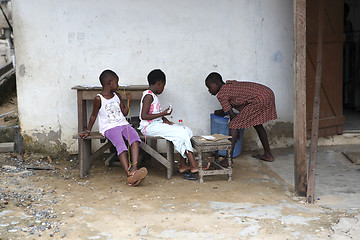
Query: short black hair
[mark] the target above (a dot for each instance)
(106, 76)
(214, 77)
(156, 75)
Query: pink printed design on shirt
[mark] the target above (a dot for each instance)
(151, 110)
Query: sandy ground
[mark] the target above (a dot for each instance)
(57, 204)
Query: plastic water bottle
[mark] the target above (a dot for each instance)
(181, 123)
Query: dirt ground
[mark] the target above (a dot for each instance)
(54, 203)
(57, 204)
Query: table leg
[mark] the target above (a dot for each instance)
(229, 165)
(201, 171)
(216, 155)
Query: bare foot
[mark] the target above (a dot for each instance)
(183, 169)
(264, 157)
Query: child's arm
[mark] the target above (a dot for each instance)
(222, 113)
(125, 110)
(231, 113)
(96, 108)
(146, 107)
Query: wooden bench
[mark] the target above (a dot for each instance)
(86, 156)
(85, 94)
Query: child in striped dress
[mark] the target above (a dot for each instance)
(255, 103)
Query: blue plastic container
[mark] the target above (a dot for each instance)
(220, 125)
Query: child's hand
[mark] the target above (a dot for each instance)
(84, 134)
(167, 111)
(218, 112)
(165, 120)
(128, 96)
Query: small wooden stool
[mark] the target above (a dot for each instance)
(202, 145)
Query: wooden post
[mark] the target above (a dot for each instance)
(316, 107)
(300, 163)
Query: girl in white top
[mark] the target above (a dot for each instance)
(154, 123)
(113, 125)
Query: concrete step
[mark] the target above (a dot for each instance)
(7, 147)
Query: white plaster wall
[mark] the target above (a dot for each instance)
(60, 44)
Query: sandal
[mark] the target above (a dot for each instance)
(136, 177)
(189, 176)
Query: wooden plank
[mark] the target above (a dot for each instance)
(101, 150)
(93, 135)
(155, 154)
(39, 167)
(316, 109)
(300, 164)
(89, 93)
(98, 87)
(108, 159)
(329, 38)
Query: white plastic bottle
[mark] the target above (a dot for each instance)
(181, 123)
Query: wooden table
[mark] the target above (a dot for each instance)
(202, 145)
(84, 95)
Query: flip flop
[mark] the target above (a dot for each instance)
(189, 176)
(136, 177)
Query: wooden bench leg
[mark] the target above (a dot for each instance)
(84, 156)
(170, 158)
(153, 145)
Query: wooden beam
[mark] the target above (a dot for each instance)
(155, 154)
(300, 163)
(316, 107)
